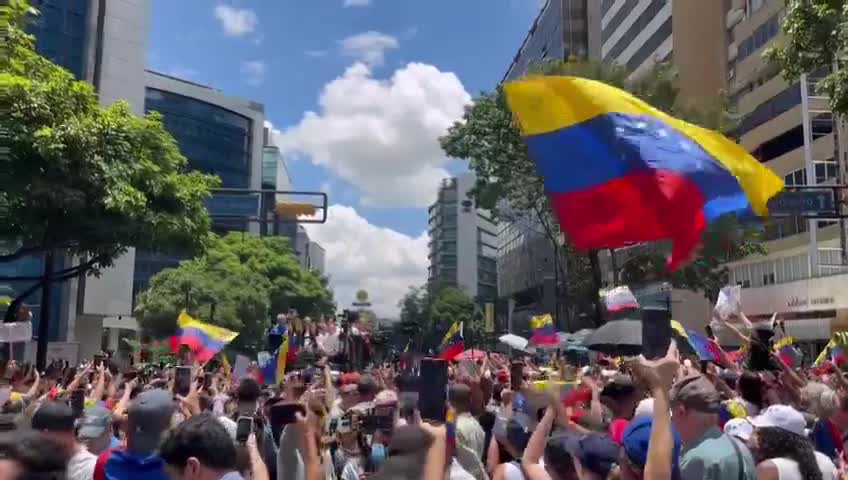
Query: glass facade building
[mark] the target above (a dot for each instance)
(215, 140)
(60, 32)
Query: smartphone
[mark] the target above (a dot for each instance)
(244, 427)
(433, 384)
(656, 332)
(516, 376)
(182, 381)
(285, 413)
(98, 360)
(78, 402)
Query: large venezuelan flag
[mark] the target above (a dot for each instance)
(453, 343)
(544, 332)
(204, 340)
(618, 170)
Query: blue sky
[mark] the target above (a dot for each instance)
(382, 78)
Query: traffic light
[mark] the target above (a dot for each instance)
(294, 209)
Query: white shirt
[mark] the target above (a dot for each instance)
(81, 465)
(329, 343)
(787, 469)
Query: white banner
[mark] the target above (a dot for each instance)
(15, 332)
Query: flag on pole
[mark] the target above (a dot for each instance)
(544, 332)
(204, 340)
(453, 343)
(645, 175)
(282, 357)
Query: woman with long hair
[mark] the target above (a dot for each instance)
(783, 455)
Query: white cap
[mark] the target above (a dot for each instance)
(783, 417)
(740, 428)
(645, 408)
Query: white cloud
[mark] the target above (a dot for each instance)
(360, 255)
(357, 3)
(381, 135)
(315, 53)
(369, 47)
(236, 21)
(254, 72)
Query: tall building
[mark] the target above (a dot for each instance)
(218, 134)
(558, 32)
(102, 43)
(789, 127)
(636, 33)
(463, 242)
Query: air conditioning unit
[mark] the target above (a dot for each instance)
(732, 52)
(734, 17)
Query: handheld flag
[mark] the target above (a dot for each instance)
(544, 332)
(282, 357)
(453, 343)
(267, 371)
(647, 176)
(205, 340)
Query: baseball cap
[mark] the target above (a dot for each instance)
(740, 428)
(697, 393)
(636, 439)
(54, 416)
(595, 451)
(148, 416)
(645, 408)
(95, 422)
(783, 417)
(619, 385)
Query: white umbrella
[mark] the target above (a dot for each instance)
(514, 341)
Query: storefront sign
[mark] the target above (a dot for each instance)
(822, 293)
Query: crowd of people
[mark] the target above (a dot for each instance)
(505, 418)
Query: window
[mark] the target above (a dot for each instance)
(761, 36)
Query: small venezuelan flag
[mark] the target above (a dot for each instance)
(450, 427)
(282, 358)
(205, 340)
(453, 343)
(619, 171)
(544, 332)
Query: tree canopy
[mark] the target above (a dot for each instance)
(815, 39)
(82, 179)
(489, 140)
(240, 283)
(426, 316)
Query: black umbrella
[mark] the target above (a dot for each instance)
(623, 337)
(619, 337)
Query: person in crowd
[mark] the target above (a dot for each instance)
(621, 396)
(95, 430)
(708, 453)
(56, 421)
(30, 455)
(148, 417)
(470, 438)
(200, 449)
(783, 451)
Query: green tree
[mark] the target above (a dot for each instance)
(451, 305)
(414, 316)
(240, 283)
(488, 139)
(815, 38)
(81, 179)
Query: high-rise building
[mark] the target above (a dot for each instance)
(636, 33)
(463, 242)
(558, 32)
(218, 134)
(103, 43)
(789, 127)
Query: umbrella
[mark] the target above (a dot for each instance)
(619, 337)
(471, 354)
(514, 341)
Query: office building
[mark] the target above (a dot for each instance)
(789, 127)
(220, 135)
(308, 252)
(463, 242)
(559, 32)
(102, 43)
(636, 33)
